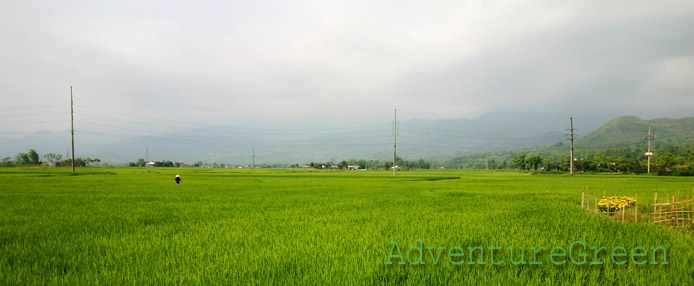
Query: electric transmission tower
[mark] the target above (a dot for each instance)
(72, 130)
(572, 135)
(395, 140)
(650, 136)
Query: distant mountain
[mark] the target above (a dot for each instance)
(417, 138)
(630, 130)
(624, 136)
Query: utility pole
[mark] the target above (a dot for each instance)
(72, 130)
(571, 138)
(649, 137)
(254, 158)
(395, 140)
(147, 154)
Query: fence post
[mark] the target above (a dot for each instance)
(673, 216)
(583, 198)
(655, 206)
(636, 211)
(595, 205)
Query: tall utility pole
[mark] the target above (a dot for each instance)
(395, 140)
(147, 154)
(253, 158)
(649, 137)
(72, 130)
(571, 138)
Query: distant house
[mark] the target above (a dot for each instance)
(353, 167)
(48, 163)
(149, 164)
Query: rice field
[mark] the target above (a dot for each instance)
(136, 226)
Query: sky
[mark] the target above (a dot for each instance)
(173, 64)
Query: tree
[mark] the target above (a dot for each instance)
(22, 159)
(342, 165)
(55, 158)
(666, 161)
(84, 162)
(33, 157)
(519, 162)
(6, 162)
(423, 164)
(534, 161)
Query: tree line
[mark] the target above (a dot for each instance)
(667, 160)
(32, 158)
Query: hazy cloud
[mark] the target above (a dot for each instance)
(228, 62)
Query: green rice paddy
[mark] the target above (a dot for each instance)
(135, 226)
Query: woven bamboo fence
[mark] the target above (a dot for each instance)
(590, 203)
(675, 211)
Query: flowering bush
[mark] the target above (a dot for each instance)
(616, 202)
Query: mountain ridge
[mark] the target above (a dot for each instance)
(430, 139)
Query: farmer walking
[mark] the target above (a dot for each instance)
(178, 179)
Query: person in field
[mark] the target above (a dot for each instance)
(178, 179)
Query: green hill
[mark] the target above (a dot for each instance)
(618, 145)
(629, 131)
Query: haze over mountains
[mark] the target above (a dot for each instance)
(417, 138)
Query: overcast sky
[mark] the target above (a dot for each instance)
(226, 62)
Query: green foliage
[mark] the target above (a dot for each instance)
(55, 158)
(81, 162)
(33, 157)
(23, 159)
(140, 163)
(665, 161)
(534, 162)
(519, 161)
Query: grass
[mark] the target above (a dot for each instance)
(230, 226)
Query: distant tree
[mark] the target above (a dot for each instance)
(343, 165)
(423, 164)
(666, 161)
(55, 158)
(601, 162)
(83, 162)
(6, 162)
(534, 161)
(22, 159)
(519, 161)
(33, 157)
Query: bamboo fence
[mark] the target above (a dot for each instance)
(590, 203)
(675, 211)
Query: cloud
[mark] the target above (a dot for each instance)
(221, 62)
